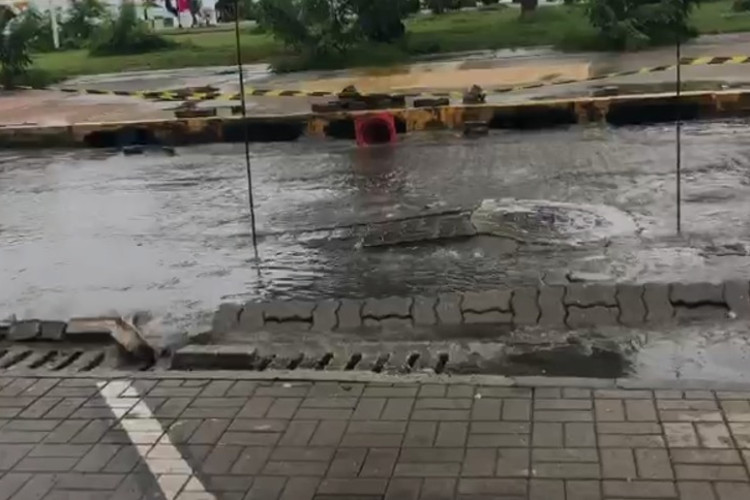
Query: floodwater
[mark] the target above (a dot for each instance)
(95, 232)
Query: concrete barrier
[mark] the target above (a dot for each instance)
(617, 110)
(575, 305)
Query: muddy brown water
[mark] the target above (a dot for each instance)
(90, 232)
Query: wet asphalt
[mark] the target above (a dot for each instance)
(94, 232)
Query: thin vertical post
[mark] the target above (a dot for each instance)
(244, 123)
(678, 144)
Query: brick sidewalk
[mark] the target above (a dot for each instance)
(201, 439)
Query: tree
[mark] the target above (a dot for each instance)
(325, 26)
(315, 26)
(379, 21)
(81, 23)
(17, 33)
(634, 24)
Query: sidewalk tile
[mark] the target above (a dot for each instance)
(403, 489)
(546, 489)
(438, 489)
(379, 462)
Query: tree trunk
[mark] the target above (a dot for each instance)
(527, 7)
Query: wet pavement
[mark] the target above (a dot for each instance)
(93, 232)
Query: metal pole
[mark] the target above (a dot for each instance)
(244, 124)
(678, 130)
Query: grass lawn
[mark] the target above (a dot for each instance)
(561, 26)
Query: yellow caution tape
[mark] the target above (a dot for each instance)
(189, 95)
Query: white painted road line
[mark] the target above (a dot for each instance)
(170, 470)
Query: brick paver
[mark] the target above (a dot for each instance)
(226, 439)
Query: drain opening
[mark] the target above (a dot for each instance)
(43, 360)
(411, 360)
(380, 362)
(66, 361)
(295, 362)
(354, 359)
(11, 358)
(442, 361)
(323, 362)
(264, 362)
(93, 363)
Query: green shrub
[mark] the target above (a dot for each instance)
(635, 24)
(127, 34)
(741, 5)
(489, 2)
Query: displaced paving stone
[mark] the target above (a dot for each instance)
(693, 294)
(53, 330)
(551, 306)
(525, 306)
(658, 306)
(488, 300)
(488, 317)
(324, 315)
(89, 330)
(389, 307)
(630, 301)
(226, 317)
(23, 330)
(423, 310)
(448, 308)
(289, 310)
(349, 314)
(737, 297)
(579, 317)
(251, 317)
(586, 294)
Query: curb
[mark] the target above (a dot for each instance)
(616, 110)
(574, 306)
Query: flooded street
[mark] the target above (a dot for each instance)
(94, 232)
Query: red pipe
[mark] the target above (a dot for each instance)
(373, 129)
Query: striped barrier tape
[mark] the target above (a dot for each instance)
(209, 95)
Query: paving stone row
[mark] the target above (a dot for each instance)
(60, 439)
(574, 305)
(74, 330)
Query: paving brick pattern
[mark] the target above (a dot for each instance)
(575, 305)
(344, 441)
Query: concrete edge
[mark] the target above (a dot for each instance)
(369, 377)
(616, 110)
(79, 331)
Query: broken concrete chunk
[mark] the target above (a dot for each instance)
(24, 330)
(53, 330)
